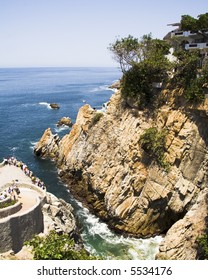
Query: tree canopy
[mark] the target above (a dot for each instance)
(57, 247)
(125, 51)
(143, 63)
(129, 51)
(194, 24)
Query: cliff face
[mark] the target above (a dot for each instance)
(103, 163)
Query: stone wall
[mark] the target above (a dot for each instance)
(10, 210)
(16, 229)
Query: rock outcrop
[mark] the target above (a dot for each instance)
(58, 216)
(180, 241)
(48, 145)
(64, 121)
(54, 106)
(102, 161)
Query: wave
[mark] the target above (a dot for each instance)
(26, 105)
(61, 128)
(13, 149)
(45, 104)
(100, 240)
(33, 144)
(101, 88)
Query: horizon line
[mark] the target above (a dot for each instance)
(12, 67)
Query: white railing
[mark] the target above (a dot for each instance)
(186, 33)
(182, 33)
(194, 46)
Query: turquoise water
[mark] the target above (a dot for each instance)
(25, 95)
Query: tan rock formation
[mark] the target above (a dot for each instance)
(58, 216)
(48, 145)
(180, 242)
(108, 170)
(64, 121)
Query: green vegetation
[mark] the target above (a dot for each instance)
(57, 247)
(153, 143)
(203, 244)
(125, 52)
(143, 63)
(189, 76)
(7, 203)
(189, 23)
(95, 119)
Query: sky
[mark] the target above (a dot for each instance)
(75, 33)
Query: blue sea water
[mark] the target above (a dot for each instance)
(25, 95)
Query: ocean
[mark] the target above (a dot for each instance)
(25, 95)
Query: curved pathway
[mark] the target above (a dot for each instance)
(27, 197)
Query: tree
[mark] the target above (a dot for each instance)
(203, 22)
(125, 52)
(193, 24)
(130, 51)
(189, 23)
(153, 49)
(188, 76)
(185, 66)
(152, 67)
(57, 247)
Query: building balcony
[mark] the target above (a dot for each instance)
(183, 33)
(195, 46)
(190, 34)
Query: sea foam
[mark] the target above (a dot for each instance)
(45, 104)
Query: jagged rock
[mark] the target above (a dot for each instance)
(106, 168)
(180, 242)
(48, 144)
(54, 106)
(64, 121)
(58, 216)
(116, 85)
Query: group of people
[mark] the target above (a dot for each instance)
(15, 162)
(3, 195)
(36, 181)
(13, 191)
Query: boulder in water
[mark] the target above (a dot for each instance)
(64, 121)
(54, 106)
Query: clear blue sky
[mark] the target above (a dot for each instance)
(78, 32)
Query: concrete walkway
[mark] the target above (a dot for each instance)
(27, 197)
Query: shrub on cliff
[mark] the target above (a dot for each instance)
(137, 83)
(153, 143)
(95, 119)
(57, 247)
(189, 76)
(203, 244)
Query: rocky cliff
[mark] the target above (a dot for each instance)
(58, 216)
(102, 161)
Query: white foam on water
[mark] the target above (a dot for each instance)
(26, 105)
(61, 128)
(45, 104)
(127, 247)
(33, 144)
(101, 88)
(13, 149)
